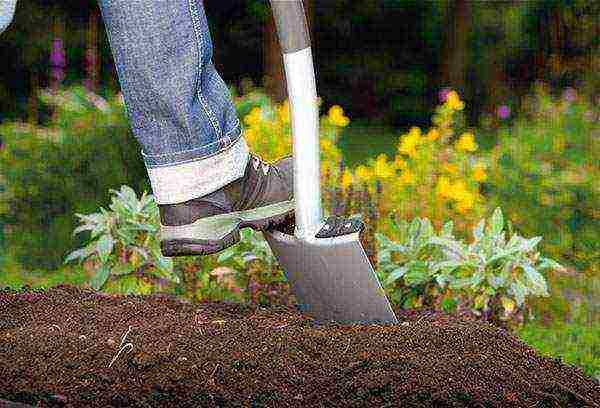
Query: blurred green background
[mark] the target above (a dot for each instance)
(527, 71)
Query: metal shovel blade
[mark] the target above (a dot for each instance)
(332, 278)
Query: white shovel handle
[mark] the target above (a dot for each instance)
(293, 37)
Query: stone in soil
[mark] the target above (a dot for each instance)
(56, 348)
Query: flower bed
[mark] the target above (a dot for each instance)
(70, 346)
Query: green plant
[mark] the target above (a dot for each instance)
(491, 276)
(407, 264)
(123, 244)
(544, 172)
(53, 170)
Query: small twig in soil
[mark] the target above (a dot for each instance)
(346, 350)
(212, 375)
(122, 347)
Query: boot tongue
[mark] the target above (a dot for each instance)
(245, 192)
(219, 199)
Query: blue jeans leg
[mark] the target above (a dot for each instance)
(180, 109)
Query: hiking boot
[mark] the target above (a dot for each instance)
(261, 199)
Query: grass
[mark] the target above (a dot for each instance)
(362, 140)
(574, 343)
(12, 275)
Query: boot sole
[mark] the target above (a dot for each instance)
(213, 234)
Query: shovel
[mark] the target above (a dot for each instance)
(330, 274)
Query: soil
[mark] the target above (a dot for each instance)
(56, 348)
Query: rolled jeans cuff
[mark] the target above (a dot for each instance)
(184, 181)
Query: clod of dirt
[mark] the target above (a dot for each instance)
(250, 356)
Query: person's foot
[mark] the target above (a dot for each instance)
(261, 199)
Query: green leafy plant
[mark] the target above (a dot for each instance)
(123, 244)
(491, 277)
(408, 263)
(61, 167)
(544, 172)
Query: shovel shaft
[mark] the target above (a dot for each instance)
(293, 37)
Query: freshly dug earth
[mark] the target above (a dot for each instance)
(56, 348)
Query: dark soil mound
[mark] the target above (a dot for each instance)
(56, 348)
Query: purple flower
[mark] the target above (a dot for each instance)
(58, 74)
(443, 94)
(503, 111)
(569, 94)
(57, 56)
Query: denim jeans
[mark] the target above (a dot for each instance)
(179, 108)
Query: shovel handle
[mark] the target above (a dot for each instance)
(291, 25)
(292, 31)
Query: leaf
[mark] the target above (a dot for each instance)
(144, 227)
(496, 281)
(528, 245)
(451, 245)
(478, 230)
(476, 279)
(537, 280)
(441, 280)
(449, 305)
(126, 236)
(81, 228)
(459, 283)
(480, 302)
(78, 253)
(249, 257)
(508, 304)
(417, 273)
(396, 274)
(519, 291)
(122, 269)
(225, 255)
(447, 229)
(426, 229)
(100, 278)
(547, 263)
(140, 251)
(447, 266)
(497, 222)
(104, 246)
(414, 229)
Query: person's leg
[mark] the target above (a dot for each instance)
(203, 178)
(179, 107)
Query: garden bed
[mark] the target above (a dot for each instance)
(56, 348)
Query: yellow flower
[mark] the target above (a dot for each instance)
(459, 191)
(284, 112)
(326, 145)
(382, 168)
(443, 188)
(363, 173)
(254, 117)
(451, 168)
(454, 102)
(347, 179)
(399, 163)
(465, 204)
(467, 142)
(407, 177)
(409, 142)
(250, 135)
(479, 173)
(336, 116)
(433, 134)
